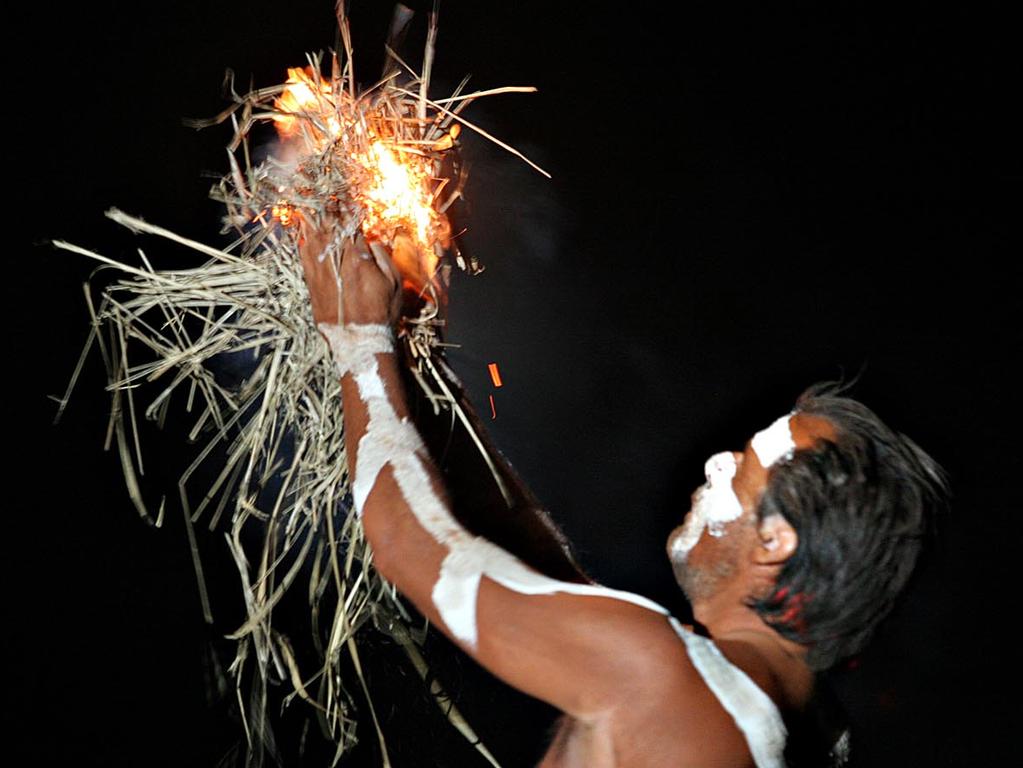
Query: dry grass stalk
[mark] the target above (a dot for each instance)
(274, 438)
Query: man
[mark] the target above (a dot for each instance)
(792, 553)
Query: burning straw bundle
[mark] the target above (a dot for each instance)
(381, 162)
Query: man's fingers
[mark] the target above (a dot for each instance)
(354, 249)
(320, 270)
(383, 260)
(358, 252)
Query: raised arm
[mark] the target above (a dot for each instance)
(485, 493)
(581, 647)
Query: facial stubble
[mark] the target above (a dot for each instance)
(711, 563)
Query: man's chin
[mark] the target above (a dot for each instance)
(688, 580)
(700, 583)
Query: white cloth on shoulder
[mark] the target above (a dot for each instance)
(753, 711)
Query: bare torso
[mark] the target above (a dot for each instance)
(649, 739)
(661, 726)
(580, 745)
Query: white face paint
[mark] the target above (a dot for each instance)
(715, 505)
(395, 442)
(774, 443)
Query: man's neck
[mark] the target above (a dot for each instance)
(776, 664)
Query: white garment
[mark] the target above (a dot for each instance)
(752, 709)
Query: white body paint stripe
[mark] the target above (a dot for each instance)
(389, 440)
(456, 590)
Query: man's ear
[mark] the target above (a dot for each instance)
(778, 540)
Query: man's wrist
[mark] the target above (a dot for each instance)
(354, 345)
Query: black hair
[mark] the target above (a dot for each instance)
(861, 504)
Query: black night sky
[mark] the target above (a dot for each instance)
(746, 199)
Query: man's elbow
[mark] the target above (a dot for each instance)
(382, 538)
(404, 554)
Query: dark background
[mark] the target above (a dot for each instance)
(745, 200)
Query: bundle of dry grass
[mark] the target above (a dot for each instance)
(380, 161)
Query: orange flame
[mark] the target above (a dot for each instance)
(305, 95)
(396, 189)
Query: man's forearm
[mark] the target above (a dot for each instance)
(382, 519)
(418, 543)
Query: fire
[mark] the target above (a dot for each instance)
(392, 186)
(398, 191)
(283, 213)
(306, 95)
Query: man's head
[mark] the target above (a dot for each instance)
(832, 509)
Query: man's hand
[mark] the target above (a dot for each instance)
(364, 290)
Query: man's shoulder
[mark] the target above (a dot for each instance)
(687, 664)
(674, 715)
(675, 704)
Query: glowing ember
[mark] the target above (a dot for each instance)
(495, 374)
(284, 213)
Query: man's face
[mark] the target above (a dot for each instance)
(714, 544)
(705, 551)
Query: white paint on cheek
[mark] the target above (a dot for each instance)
(723, 505)
(716, 504)
(774, 443)
(687, 536)
(395, 442)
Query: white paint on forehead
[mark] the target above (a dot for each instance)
(774, 443)
(715, 505)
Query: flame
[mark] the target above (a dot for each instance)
(397, 191)
(306, 95)
(394, 188)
